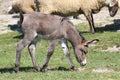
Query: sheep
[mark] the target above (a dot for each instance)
(119, 3)
(67, 8)
(25, 6)
(37, 26)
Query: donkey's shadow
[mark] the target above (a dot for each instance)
(30, 69)
(11, 70)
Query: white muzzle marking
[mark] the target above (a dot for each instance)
(84, 62)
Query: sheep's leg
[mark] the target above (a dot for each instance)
(37, 5)
(20, 47)
(89, 17)
(49, 54)
(76, 16)
(31, 49)
(64, 46)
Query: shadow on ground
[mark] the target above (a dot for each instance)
(11, 70)
(114, 27)
(30, 69)
(110, 27)
(16, 26)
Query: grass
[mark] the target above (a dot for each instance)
(96, 59)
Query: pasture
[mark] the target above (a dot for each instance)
(101, 65)
(103, 58)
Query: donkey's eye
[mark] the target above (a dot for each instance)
(85, 45)
(83, 51)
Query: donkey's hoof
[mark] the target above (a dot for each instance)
(38, 69)
(16, 69)
(43, 70)
(73, 68)
(46, 69)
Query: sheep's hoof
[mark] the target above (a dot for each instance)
(93, 31)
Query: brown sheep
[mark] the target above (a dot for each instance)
(71, 7)
(26, 6)
(119, 3)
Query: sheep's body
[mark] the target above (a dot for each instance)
(119, 3)
(64, 7)
(70, 8)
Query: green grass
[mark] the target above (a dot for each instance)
(95, 59)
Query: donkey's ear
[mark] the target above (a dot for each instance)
(92, 41)
(113, 2)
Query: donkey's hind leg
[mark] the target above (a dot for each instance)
(31, 49)
(20, 46)
(64, 46)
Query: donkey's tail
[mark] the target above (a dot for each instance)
(21, 18)
(20, 21)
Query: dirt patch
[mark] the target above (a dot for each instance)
(8, 22)
(115, 48)
(98, 70)
(4, 5)
(102, 70)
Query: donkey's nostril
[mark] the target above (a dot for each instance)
(83, 63)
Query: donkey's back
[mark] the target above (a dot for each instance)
(47, 25)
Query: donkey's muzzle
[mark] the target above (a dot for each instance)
(83, 63)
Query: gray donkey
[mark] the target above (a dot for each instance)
(38, 26)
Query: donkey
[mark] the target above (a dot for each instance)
(37, 26)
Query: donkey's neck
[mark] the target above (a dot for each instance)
(74, 37)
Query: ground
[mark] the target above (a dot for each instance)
(8, 24)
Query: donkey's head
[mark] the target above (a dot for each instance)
(81, 51)
(113, 7)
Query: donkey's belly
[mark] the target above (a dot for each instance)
(44, 36)
(51, 36)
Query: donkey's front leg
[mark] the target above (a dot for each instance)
(31, 49)
(50, 52)
(64, 46)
